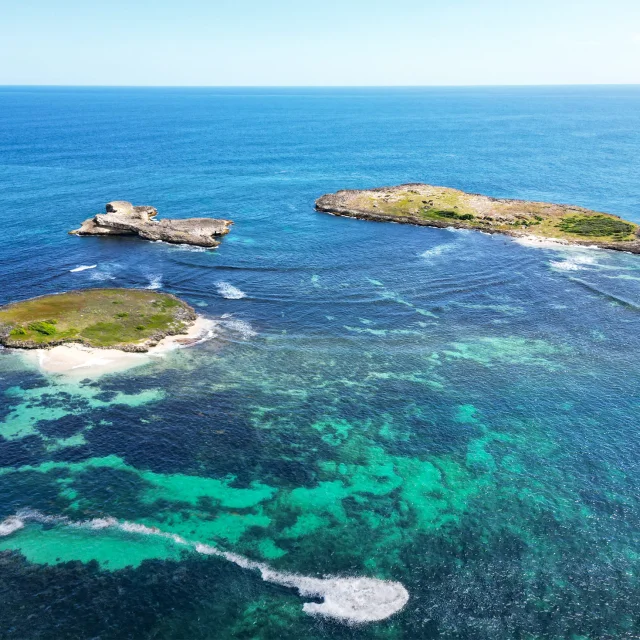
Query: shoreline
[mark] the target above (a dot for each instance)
(78, 361)
(524, 237)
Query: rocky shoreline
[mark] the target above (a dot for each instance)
(442, 207)
(122, 218)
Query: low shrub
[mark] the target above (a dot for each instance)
(595, 226)
(43, 327)
(451, 215)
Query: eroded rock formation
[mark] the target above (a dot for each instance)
(123, 218)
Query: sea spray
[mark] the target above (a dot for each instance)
(351, 600)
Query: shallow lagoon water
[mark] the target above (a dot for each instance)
(445, 409)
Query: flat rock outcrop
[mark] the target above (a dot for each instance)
(426, 205)
(123, 218)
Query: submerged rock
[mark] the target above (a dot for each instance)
(123, 218)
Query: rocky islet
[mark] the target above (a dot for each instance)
(122, 218)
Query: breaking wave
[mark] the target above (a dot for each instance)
(230, 292)
(83, 267)
(10, 525)
(155, 282)
(573, 263)
(351, 600)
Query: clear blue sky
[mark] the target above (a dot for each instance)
(328, 42)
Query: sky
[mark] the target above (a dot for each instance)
(322, 43)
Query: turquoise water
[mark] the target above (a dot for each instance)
(447, 410)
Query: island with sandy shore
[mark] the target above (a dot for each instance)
(122, 218)
(98, 330)
(426, 205)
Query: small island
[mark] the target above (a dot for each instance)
(122, 218)
(426, 205)
(125, 319)
(96, 331)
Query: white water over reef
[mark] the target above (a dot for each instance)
(241, 328)
(230, 292)
(573, 263)
(347, 599)
(155, 282)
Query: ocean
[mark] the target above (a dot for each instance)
(447, 410)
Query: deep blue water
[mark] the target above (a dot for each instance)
(450, 410)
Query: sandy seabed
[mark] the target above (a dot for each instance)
(79, 361)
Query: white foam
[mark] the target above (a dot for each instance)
(102, 523)
(353, 600)
(83, 267)
(438, 250)
(207, 335)
(241, 327)
(100, 276)
(553, 243)
(230, 292)
(155, 282)
(192, 247)
(10, 524)
(463, 231)
(573, 263)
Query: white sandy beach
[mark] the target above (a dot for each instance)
(78, 361)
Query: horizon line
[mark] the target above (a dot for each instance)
(316, 86)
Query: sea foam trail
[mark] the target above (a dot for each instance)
(83, 267)
(230, 292)
(351, 600)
